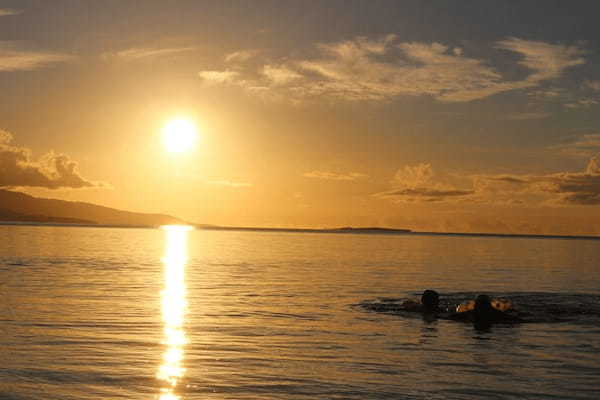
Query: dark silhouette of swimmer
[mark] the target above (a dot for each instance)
(484, 314)
(430, 299)
(430, 303)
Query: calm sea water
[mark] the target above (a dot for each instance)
(98, 313)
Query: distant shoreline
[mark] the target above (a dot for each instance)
(343, 231)
(391, 231)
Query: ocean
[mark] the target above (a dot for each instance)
(114, 313)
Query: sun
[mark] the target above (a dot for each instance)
(179, 135)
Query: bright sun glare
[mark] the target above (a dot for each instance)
(179, 135)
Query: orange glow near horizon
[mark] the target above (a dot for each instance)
(174, 306)
(179, 135)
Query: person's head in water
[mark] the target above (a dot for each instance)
(430, 299)
(483, 306)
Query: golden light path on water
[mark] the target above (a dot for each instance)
(174, 304)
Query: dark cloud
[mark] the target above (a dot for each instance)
(506, 178)
(566, 188)
(428, 194)
(575, 188)
(52, 171)
(417, 184)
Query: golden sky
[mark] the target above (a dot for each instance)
(447, 116)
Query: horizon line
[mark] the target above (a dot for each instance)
(342, 230)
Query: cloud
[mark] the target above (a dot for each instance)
(427, 194)
(547, 93)
(594, 85)
(52, 171)
(280, 75)
(416, 184)
(228, 183)
(414, 176)
(506, 179)
(335, 176)
(581, 146)
(240, 56)
(523, 116)
(380, 69)
(583, 102)
(562, 188)
(218, 77)
(574, 188)
(14, 59)
(139, 53)
(4, 12)
(546, 60)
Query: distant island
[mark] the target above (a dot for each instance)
(376, 230)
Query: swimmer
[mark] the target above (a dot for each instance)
(430, 303)
(428, 306)
(484, 314)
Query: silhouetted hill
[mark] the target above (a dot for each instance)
(20, 207)
(11, 216)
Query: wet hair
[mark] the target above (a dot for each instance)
(484, 312)
(483, 302)
(430, 298)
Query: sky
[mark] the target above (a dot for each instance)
(462, 116)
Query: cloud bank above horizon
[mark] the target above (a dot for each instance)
(418, 184)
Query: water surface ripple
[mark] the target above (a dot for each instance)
(89, 313)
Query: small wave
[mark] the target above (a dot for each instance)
(14, 262)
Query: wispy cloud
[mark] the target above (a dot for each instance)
(280, 75)
(228, 183)
(241, 56)
(583, 102)
(384, 68)
(585, 145)
(7, 11)
(522, 116)
(335, 176)
(14, 59)
(51, 171)
(547, 93)
(219, 77)
(545, 60)
(139, 53)
(593, 85)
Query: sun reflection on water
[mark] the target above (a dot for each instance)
(174, 305)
